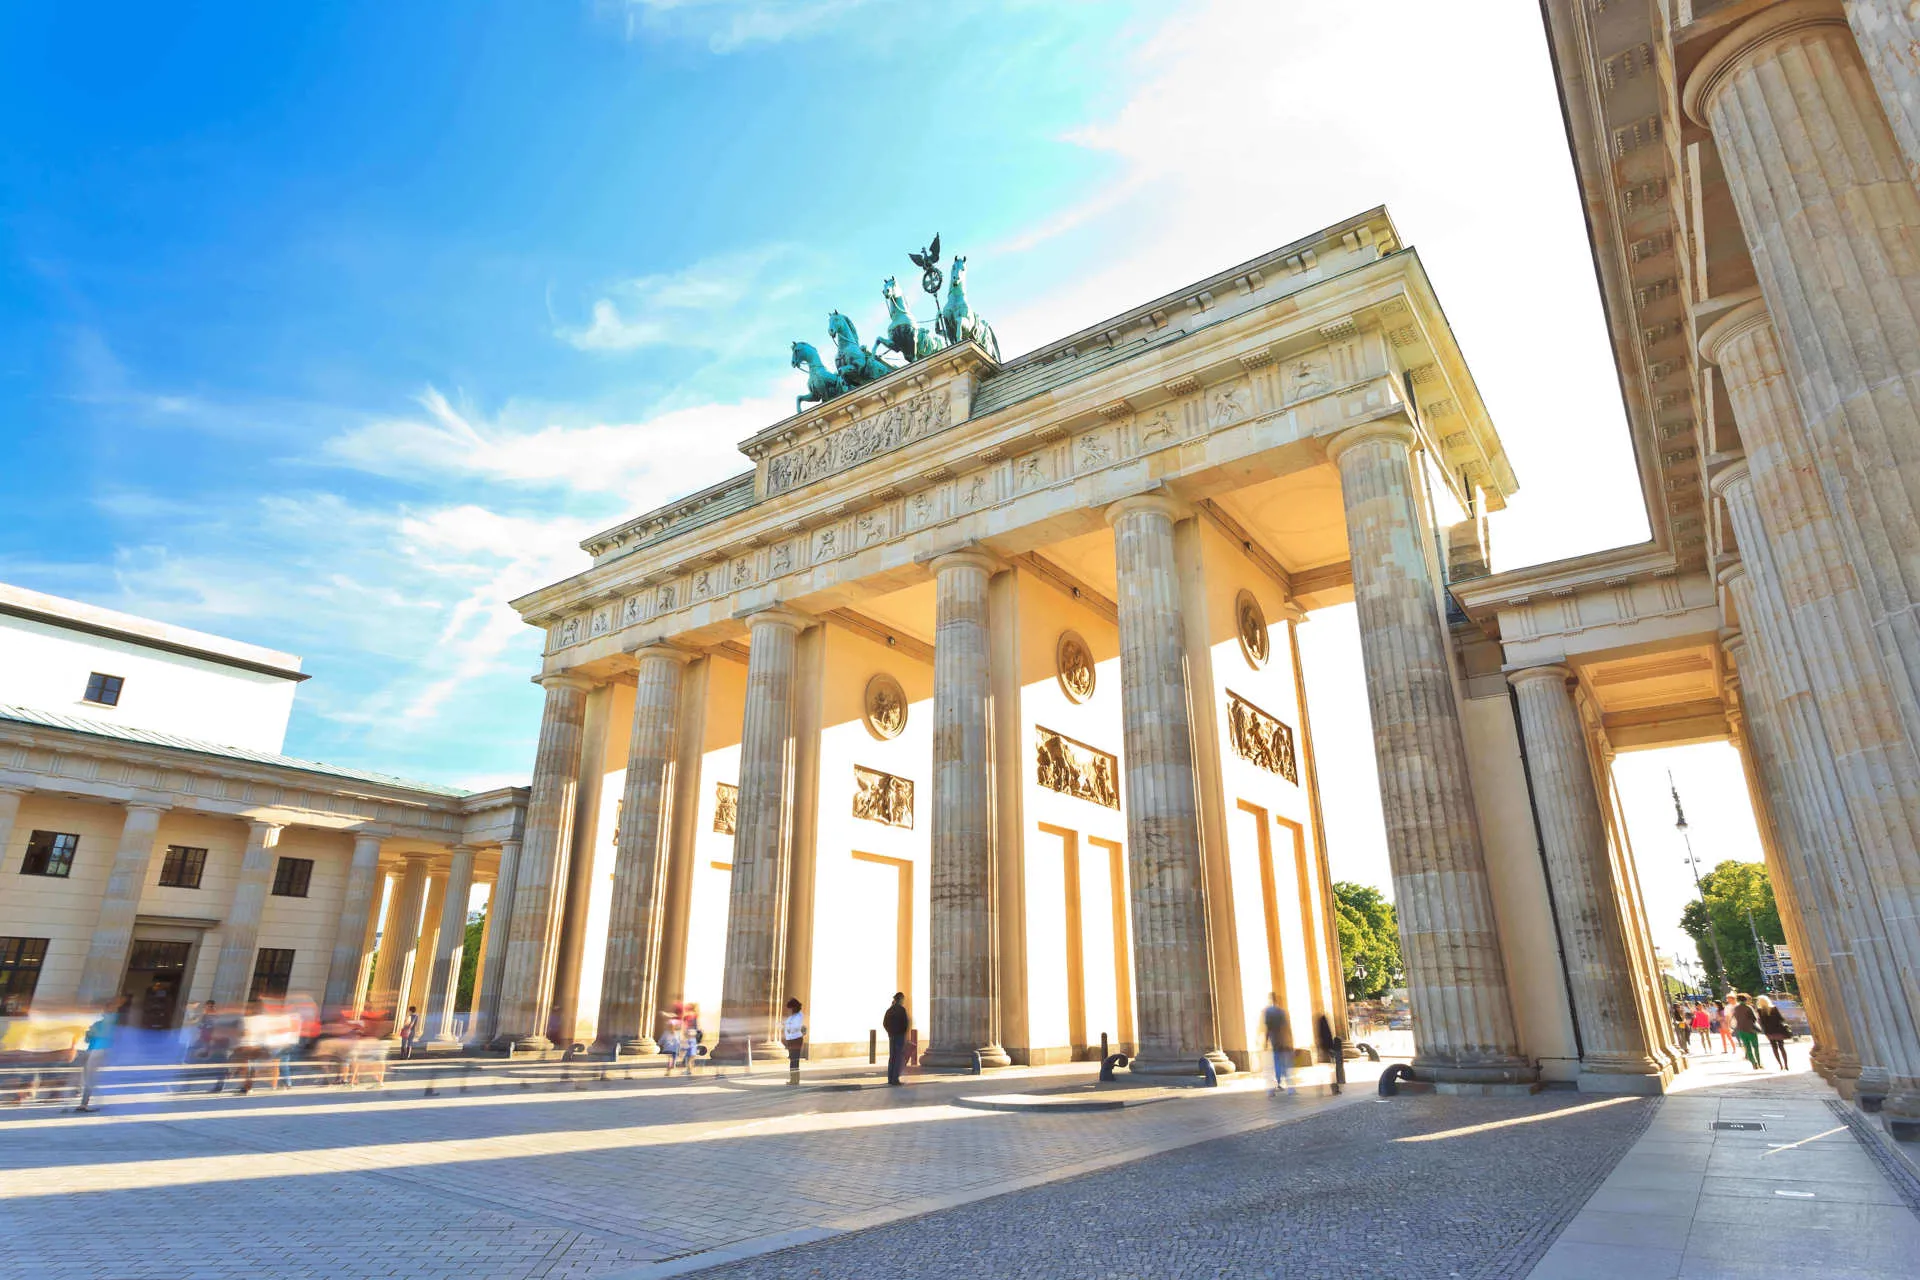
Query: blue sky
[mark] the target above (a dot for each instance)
(333, 327)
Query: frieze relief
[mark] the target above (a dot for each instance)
(1073, 768)
(923, 415)
(726, 807)
(1261, 739)
(881, 797)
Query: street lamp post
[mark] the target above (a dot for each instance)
(1713, 935)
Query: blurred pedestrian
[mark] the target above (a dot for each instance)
(1746, 1029)
(1279, 1033)
(408, 1030)
(1682, 1025)
(99, 1042)
(895, 1022)
(1702, 1026)
(793, 1034)
(1332, 1048)
(1723, 1023)
(1773, 1025)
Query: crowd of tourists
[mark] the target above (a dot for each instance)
(1737, 1023)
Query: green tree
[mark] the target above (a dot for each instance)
(1731, 890)
(1369, 940)
(470, 961)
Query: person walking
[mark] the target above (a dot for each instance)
(793, 1034)
(1746, 1029)
(1331, 1048)
(99, 1042)
(1279, 1032)
(1773, 1025)
(408, 1030)
(1723, 1023)
(1702, 1026)
(895, 1022)
(1682, 1026)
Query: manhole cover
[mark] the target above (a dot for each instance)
(1738, 1126)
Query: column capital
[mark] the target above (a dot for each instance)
(1744, 318)
(663, 651)
(1396, 428)
(966, 557)
(1556, 671)
(792, 619)
(265, 832)
(147, 806)
(562, 680)
(1729, 475)
(1170, 507)
(1773, 23)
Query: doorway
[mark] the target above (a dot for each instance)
(156, 975)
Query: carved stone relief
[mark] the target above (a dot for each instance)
(926, 413)
(726, 807)
(881, 797)
(631, 614)
(1094, 451)
(1161, 428)
(1260, 738)
(1229, 403)
(1073, 661)
(602, 622)
(1308, 377)
(1076, 769)
(886, 707)
(1250, 622)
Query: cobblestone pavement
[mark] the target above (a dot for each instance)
(602, 1179)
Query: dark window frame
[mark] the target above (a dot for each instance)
(51, 854)
(103, 689)
(272, 974)
(21, 961)
(183, 867)
(292, 877)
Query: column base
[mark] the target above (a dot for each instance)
(1155, 1064)
(1641, 1083)
(535, 1043)
(1511, 1071)
(639, 1047)
(733, 1052)
(937, 1059)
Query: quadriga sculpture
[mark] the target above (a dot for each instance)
(856, 365)
(958, 322)
(823, 384)
(904, 338)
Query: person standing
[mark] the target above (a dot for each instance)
(1279, 1032)
(895, 1022)
(1723, 1024)
(1702, 1026)
(1682, 1027)
(1332, 1048)
(1773, 1025)
(1746, 1029)
(408, 1030)
(793, 1034)
(99, 1042)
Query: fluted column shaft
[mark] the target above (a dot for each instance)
(1175, 1020)
(113, 933)
(420, 981)
(752, 985)
(400, 939)
(527, 980)
(240, 931)
(350, 930)
(630, 982)
(1573, 836)
(1813, 624)
(1888, 33)
(1462, 1013)
(499, 928)
(449, 947)
(964, 1008)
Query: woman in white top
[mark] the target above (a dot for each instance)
(793, 1034)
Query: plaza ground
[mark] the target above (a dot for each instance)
(531, 1170)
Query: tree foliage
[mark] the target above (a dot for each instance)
(470, 961)
(1731, 889)
(1369, 940)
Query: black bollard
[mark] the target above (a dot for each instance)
(1339, 1063)
(977, 1068)
(1390, 1078)
(1209, 1075)
(873, 1046)
(1109, 1062)
(433, 1080)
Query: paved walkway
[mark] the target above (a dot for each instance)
(1790, 1193)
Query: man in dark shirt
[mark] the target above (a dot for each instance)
(896, 1022)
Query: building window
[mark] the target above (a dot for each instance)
(20, 960)
(104, 690)
(182, 867)
(272, 971)
(291, 877)
(50, 853)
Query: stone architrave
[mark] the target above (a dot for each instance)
(449, 946)
(499, 925)
(350, 930)
(753, 981)
(630, 982)
(113, 934)
(399, 941)
(240, 931)
(527, 981)
(964, 1010)
(1462, 1015)
(1166, 875)
(1814, 624)
(1617, 1049)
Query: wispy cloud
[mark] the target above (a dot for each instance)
(729, 25)
(720, 304)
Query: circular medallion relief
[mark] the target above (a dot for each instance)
(1074, 662)
(1250, 620)
(886, 704)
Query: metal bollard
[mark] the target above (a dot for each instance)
(1103, 1046)
(1390, 1078)
(1108, 1063)
(976, 1068)
(1339, 1063)
(1209, 1075)
(873, 1046)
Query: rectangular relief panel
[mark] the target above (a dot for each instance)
(881, 797)
(726, 807)
(1076, 769)
(1260, 738)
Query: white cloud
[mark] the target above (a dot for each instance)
(729, 25)
(719, 304)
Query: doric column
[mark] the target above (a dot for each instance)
(1812, 624)
(420, 981)
(449, 947)
(1830, 218)
(1888, 33)
(113, 933)
(1617, 1050)
(1462, 1014)
(630, 982)
(400, 940)
(964, 1007)
(476, 1023)
(752, 985)
(363, 979)
(240, 931)
(526, 985)
(499, 926)
(350, 931)
(1172, 960)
